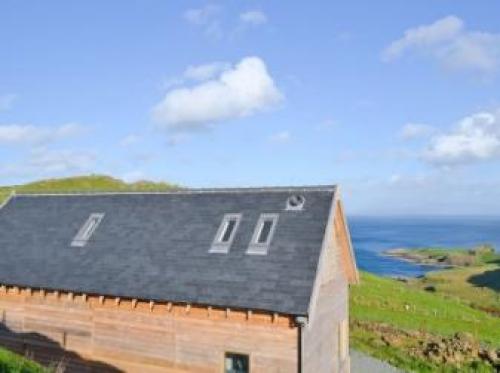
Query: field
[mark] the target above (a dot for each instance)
(413, 324)
(477, 286)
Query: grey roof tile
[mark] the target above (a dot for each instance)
(155, 246)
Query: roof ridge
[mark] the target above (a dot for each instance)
(313, 188)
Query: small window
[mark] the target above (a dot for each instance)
(86, 231)
(263, 234)
(265, 231)
(226, 233)
(236, 363)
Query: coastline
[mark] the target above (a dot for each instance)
(406, 256)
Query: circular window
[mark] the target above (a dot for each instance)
(295, 202)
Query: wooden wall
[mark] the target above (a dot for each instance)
(343, 242)
(110, 335)
(321, 336)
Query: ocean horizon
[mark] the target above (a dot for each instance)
(371, 235)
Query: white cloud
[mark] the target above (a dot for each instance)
(130, 140)
(243, 90)
(196, 73)
(207, 18)
(443, 30)
(449, 42)
(409, 181)
(280, 137)
(475, 138)
(253, 17)
(47, 161)
(203, 15)
(411, 131)
(205, 71)
(29, 134)
(6, 101)
(171, 82)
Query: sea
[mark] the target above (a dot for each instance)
(372, 235)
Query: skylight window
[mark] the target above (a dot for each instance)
(263, 234)
(226, 233)
(86, 231)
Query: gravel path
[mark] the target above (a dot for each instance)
(362, 363)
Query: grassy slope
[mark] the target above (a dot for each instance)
(12, 363)
(455, 283)
(384, 300)
(380, 300)
(476, 284)
(92, 183)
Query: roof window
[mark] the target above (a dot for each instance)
(263, 234)
(226, 233)
(86, 231)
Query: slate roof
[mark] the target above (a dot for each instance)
(154, 246)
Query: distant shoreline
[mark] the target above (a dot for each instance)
(406, 255)
(443, 257)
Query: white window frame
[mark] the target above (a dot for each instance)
(87, 230)
(219, 246)
(261, 248)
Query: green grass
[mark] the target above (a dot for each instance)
(91, 183)
(385, 300)
(12, 363)
(405, 307)
(457, 283)
(482, 254)
(366, 341)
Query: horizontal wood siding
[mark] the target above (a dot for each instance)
(121, 335)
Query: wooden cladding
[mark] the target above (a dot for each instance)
(343, 240)
(120, 334)
(176, 309)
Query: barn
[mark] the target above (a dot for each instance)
(209, 280)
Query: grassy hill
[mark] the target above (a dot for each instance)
(91, 183)
(417, 330)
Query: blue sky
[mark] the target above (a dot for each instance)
(398, 102)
